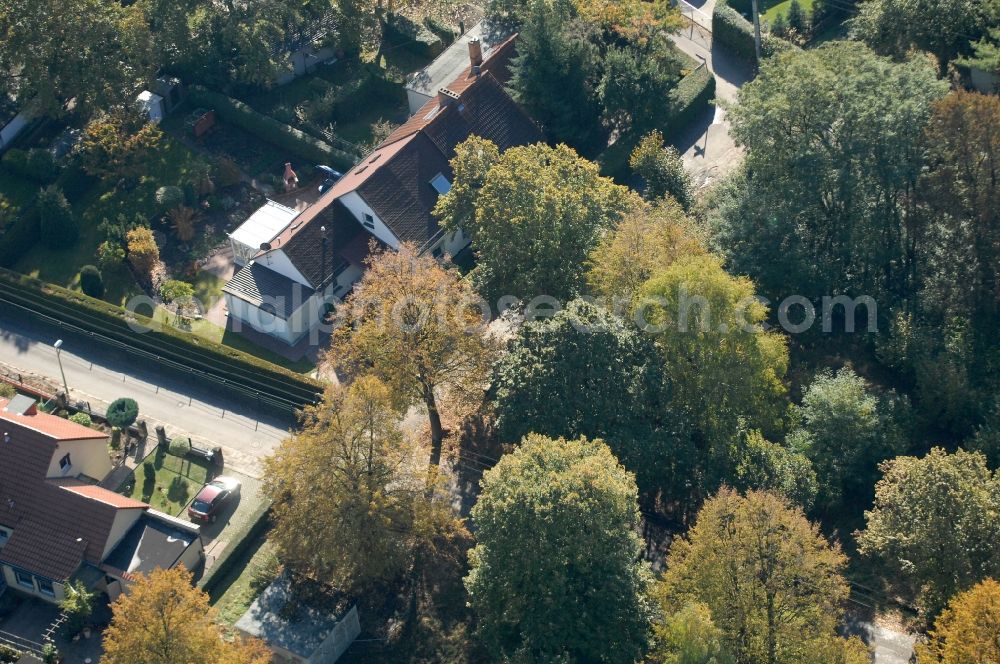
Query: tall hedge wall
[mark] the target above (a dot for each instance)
(732, 30)
(268, 129)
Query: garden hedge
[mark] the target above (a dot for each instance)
(268, 129)
(731, 29)
(242, 373)
(238, 543)
(691, 97)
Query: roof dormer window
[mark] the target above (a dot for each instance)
(441, 184)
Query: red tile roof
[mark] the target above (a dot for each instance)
(102, 495)
(394, 179)
(55, 527)
(52, 426)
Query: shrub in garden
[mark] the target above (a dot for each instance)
(57, 224)
(662, 168)
(82, 419)
(117, 145)
(36, 164)
(77, 606)
(797, 19)
(7, 391)
(110, 255)
(168, 198)
(180, 446)
(91, 281)
(142, 250)
(122, 413)
(173, 290)
(182, 220)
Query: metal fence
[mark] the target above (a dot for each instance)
(694, 15)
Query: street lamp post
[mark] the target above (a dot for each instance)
(58, 346)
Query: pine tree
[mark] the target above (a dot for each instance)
(797, 18)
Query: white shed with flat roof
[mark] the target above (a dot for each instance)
(262, 227)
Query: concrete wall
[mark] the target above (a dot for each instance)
(258, 319)
(88, 457)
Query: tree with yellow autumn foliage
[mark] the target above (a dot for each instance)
(968, 631)
(163, 619)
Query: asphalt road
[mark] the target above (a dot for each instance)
(183, 405)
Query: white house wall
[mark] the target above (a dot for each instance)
(277, 260)
(259, 320)
(87, 457)
(358, 207)
(60, 591)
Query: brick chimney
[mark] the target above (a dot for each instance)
(475, 52)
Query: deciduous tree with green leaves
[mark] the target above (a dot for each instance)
(771, 582)
(53, 51)
(555, 573)
(834, 151)
(845, 431)
(942, 27)
(587, 372)
(703, 317)
(936, 523)
(539, 211)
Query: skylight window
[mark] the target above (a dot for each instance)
(441, 184)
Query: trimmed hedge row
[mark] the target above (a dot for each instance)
(240, 370)
(690, 98)
(270, 130)
(238, 543)
(731, 29)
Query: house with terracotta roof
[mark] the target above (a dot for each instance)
(58, 525)
(385, 200)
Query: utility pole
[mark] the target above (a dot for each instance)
(756, 34)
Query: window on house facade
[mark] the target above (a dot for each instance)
(441, 184)
(438, 251)
(24, 579)
(65, 463)
(4, 536)
(45, 587)
(369, 221)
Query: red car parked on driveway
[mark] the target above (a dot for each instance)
(212, 498)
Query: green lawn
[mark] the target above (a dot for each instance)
(782, 8)
(234, 594)
(171, 163)
(175, 484)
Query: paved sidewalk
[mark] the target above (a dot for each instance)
(708, 149)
